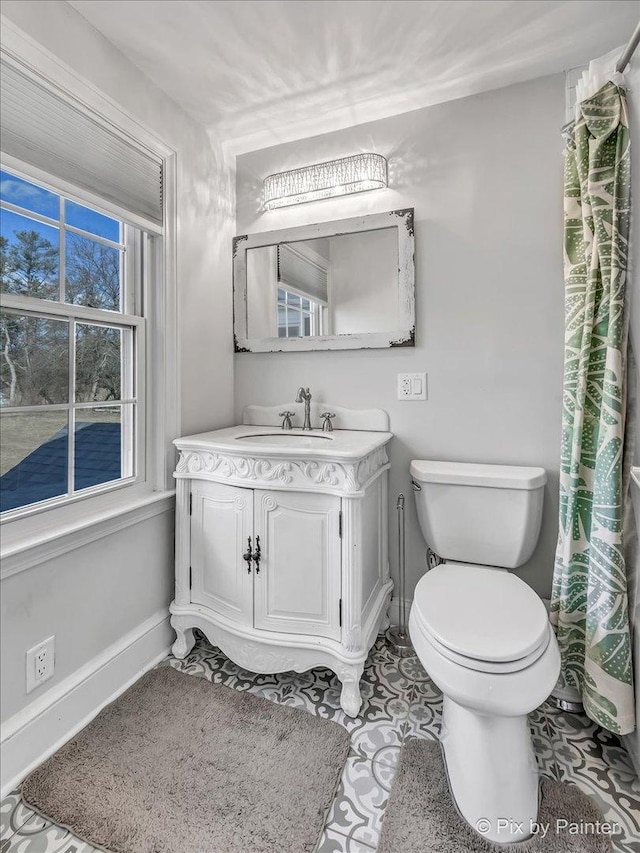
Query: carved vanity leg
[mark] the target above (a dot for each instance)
(350, 698)
(185, 641)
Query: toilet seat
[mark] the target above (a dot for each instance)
(483, 665)
(481, 618)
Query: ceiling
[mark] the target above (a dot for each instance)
(259, 72)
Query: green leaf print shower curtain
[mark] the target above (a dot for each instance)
(589, 606)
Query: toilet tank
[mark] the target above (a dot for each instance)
(486, 514)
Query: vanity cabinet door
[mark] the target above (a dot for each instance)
(297, 589)
(221, 525)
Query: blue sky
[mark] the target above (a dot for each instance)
(10, 222)
(31, 197)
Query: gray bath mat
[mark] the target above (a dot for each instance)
(179, 765)
(421, 817)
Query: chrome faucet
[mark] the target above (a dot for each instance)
(304, 396)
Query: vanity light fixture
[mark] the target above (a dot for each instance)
(353, 174)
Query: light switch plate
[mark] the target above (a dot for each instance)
(412, 386)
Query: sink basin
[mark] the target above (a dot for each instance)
(279, 439)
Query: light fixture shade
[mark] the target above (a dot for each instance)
(353, 174)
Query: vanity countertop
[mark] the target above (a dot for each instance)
(269, 441)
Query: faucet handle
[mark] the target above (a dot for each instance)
(327, 426)
(286, 423)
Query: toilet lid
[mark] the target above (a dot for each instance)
(499, 667)
(481, 613)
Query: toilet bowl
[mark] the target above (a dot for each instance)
(484, 637)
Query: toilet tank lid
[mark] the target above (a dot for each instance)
(470, 474)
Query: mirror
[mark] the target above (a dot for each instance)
(347, 284)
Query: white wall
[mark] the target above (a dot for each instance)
(88, 598)
(321, 245)
(103, 591)
(364, 268)
(261, 292)
(485, 177)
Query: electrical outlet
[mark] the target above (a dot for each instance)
(404, 386)
(412, 386)
(40, 663)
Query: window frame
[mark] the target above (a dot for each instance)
(319, 313)
(28, 542)
(316, 313)
(134, 246)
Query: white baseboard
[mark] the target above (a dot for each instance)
(394, 610)
(36, 732)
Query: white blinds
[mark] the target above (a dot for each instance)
(50, 133)
(302, 274)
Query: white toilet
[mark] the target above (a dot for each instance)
(483, 635)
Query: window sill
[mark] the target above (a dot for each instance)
(29, 542)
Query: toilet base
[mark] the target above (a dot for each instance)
(492, 771)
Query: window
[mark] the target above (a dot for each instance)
(298, 316)
(302, 295)
(71, 347)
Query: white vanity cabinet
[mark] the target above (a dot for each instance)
(281, 549)
(267, 559)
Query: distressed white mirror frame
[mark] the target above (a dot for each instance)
(402, 335)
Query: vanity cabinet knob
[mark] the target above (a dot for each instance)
(256, 555)
(248, 556)
(286, 423)
(327, 426)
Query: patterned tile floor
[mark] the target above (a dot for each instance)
(400, 702)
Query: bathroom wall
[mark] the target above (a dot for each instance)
(88, 599)
(116, 589)
(362, 265)
(484, 175)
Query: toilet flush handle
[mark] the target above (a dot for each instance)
(416, 486)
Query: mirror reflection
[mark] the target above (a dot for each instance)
(336, 285)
